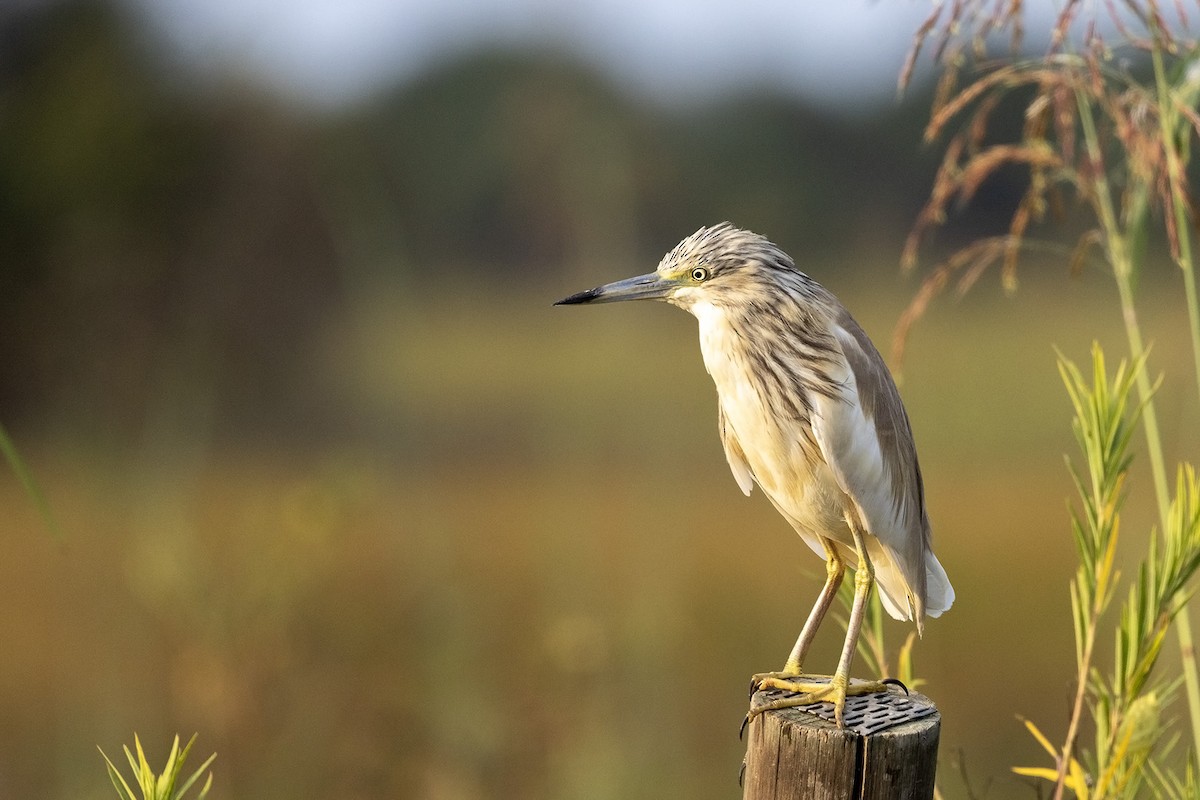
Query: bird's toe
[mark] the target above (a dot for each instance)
(793, 691)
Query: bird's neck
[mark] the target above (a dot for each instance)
(773, 361)
(722, 344)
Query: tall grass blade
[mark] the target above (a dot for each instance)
(28, 483)
(118, 781)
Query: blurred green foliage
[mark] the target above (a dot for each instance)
(161, 233)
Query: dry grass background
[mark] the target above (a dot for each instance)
(531, 575)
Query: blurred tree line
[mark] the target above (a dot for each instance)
(173, 243)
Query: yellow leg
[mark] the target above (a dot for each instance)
(835, 570)
(839, 686)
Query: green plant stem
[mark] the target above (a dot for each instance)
(1119, 257)
(1117, 247)
(1079, 703)
(1137, 351)
(1116, 244)
(1189, 287)
(1167, 128)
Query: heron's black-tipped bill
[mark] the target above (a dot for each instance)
(643, 287)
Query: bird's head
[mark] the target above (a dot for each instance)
(711, 264)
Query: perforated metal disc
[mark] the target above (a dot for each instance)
(865, 714)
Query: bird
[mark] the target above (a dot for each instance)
(808, 411)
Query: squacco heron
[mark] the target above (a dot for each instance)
(808, 411)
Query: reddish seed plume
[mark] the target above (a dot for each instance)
(1080, 74)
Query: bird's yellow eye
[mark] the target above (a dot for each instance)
(699, 274)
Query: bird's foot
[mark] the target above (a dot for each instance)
(803, 690)
(787, 675)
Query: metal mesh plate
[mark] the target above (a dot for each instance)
(865, 714)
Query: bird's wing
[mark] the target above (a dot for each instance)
(866, 440)
(734, 455)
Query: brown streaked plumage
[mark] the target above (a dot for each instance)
(808, 411)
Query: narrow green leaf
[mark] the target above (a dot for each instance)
(118, 781)
(136, 767)
(166, 781)
(26, 479)
(195, 775)
(146, 772)
(207, 785)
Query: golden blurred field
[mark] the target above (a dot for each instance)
(529, 573)
(340, 491)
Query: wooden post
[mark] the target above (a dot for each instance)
(888, 750)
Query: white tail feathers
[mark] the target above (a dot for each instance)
(893, 588)
(939, 594)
